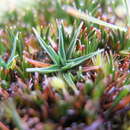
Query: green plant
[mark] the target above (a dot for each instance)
(9, 63)
(63, 60)
(117, 40)
(10, 109)
(105, 62)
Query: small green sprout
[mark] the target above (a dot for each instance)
(105, 62)
(59, 85)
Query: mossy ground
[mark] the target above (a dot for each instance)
(63, 68)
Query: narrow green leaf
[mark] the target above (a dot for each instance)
(8, 65)
(74, 12)
(12, 57)
(73, 42)
(20, 46)
(53, 68)
(47, 32)
(68, 79)
(11, 110)
(61, 50)
(2, 63)
(122, 94)
(79, 60)
(53, 55)
(67, 66)
(49, 50)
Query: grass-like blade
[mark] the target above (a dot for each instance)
(49, 50)
(12, 57)
(67, 77)
(81, 59)
(119, 97)
(61, 50)
(73, 42)
(67, 66)
(10, 109)
(10, 62)
(2, 63)
(53, 55)
(74, 12)
(50, 69)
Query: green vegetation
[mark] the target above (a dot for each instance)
(65, 64)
